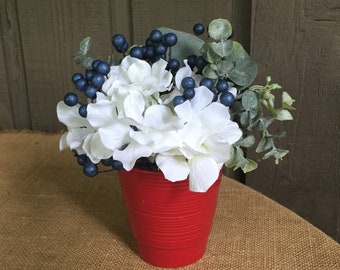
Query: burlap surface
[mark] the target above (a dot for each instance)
(53, 217)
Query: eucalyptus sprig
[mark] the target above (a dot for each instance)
(255, 111)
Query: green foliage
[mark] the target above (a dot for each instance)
(227, 59)
(84, 60)
(81, 58)
(254, 111)
(187, 44)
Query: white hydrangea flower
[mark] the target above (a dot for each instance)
(207, 138)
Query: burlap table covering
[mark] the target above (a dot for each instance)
(53, 217)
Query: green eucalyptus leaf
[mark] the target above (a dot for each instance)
(250, 100)
(212, 56)
(113, 60)
(249, 166)
(187, 44)
(236, 156)
(83, 60)
(222, 48)
(280, 135)
(245, 119)
(284, 115)
(237, 160)
(247, 141)
(224, 67)
(220, 29)
(264, 123)
(278, 154)
(85, 45)
(209, 72)
(287, 101)
(245, 69)
(265, 143)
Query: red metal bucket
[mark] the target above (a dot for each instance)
(170, 223)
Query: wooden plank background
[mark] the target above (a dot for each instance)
(296, 42)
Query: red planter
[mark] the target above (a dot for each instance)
(170, 223)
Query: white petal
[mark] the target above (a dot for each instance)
(194, 134)
(138, 71)
(101, 113)
(220, 152)
(134, 106)
(75, 137)
(62, 142)
(230, 133)
(69, 116)
(215, 116)
(184, 111)
(131, 153)
(159, 71)
(127, 62)
(204, 171)
(95, 149)
(167, 141)
(203, 97)
(182, 73)
(174, 168)
(158, 117)
(115, 135)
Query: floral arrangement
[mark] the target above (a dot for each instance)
(180, 103)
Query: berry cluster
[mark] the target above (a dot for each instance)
(91, 169)
(188, 84)
(89, 84)
(156, 47)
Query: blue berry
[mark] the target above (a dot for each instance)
(189, 93)
(70, 99)
(118, 41)
(117, 165)
(173, 64)
(192, 60)
(222, 86)
(89, 73)
(148, 42)
(107, 162)
(76, 77)
(227, 98)
(82, 159)
(124, 48)
(90, 169)
(134, 128)
(207, 82)
(156, 36)
(97, 80)
(188, 82)
(200, 63)
(137, 52)
(198, 29)
(148, 53)
(103, 68)
(169, 39)
(91, 92)
(83, 110)
(81, 84)
(95, 63)
(178, 100)
(160, 49)
(215, 98)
